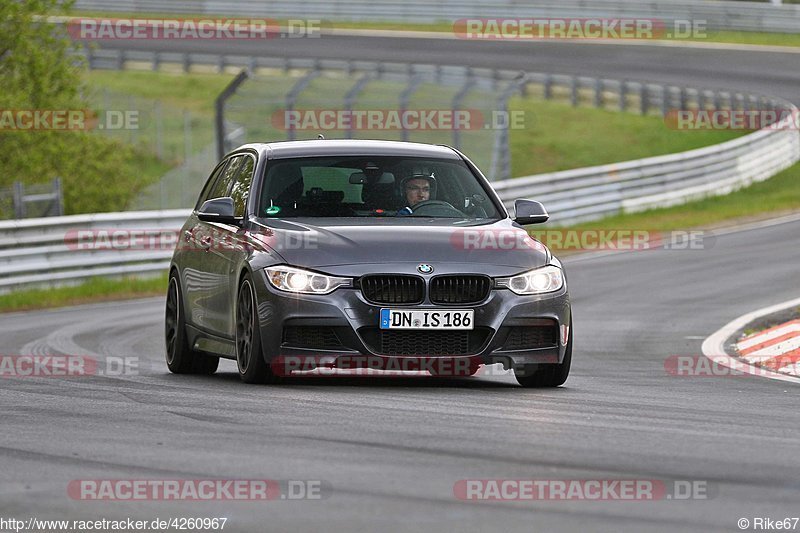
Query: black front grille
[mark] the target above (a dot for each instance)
(319, 337)
(531, 337)
(459, 289)
(393, 289)
(425, 343)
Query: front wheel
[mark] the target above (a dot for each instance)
(181, 358)
(547, 375)
(249, 358)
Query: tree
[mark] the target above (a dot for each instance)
(40, 71)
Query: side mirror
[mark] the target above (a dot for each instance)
(529, 212)
(218, 210)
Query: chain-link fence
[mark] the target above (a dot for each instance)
(456, 106)
(172, 134)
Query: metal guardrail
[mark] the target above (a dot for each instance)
(50, 250)
(720, 15)
(60, 250)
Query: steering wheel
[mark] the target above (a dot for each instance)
(436, 208)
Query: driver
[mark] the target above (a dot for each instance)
(417, 188)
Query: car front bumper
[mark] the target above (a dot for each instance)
(354, 323)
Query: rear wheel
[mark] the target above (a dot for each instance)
(249, 358)
(547, 375)
(181, 359)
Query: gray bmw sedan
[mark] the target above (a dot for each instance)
(356, 254)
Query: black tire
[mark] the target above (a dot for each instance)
(547, 375)
(181, 359)
(249, 357)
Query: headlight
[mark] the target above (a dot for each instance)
(545, 279)
(290, 279)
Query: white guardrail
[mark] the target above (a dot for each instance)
(52, 250)
(718, 14)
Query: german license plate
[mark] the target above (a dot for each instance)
(425, 319)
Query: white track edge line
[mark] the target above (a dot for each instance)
(714, 346)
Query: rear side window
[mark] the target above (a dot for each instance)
(241, 187)
(206, 194)
(223, 184)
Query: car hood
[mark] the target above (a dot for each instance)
(377, 240)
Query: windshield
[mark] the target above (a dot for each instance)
(352, 186)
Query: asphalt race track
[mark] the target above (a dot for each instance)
(389, 451)
(771, 73)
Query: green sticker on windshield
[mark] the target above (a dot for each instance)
(273, 210)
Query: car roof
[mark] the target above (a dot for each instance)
(357, 147)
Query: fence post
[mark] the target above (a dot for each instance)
(187, 135)
(350, 100)
(19, 200)
(405, 98)
(58, 200)
(158, 138)
(291, 98)
(643, 99)
(573, 84)
(458, 100)
(623, 86)
(598, 93)
(219, 111)
(132, 132)
(501, 153)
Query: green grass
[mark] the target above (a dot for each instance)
(558, 136)
(195, 91)
(93, 290)
(442, 26)
(752, 37)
